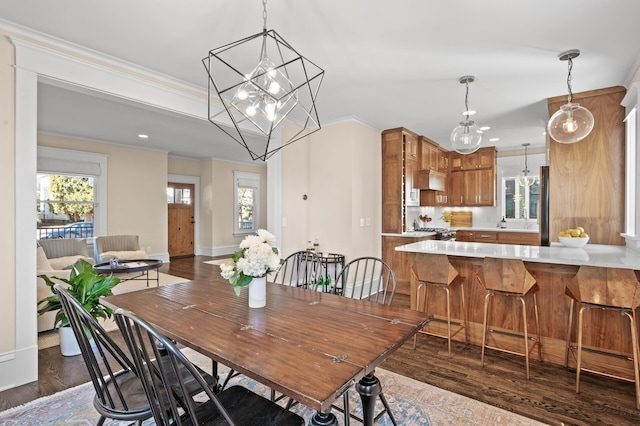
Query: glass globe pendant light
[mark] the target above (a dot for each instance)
(572, 122)
(524, 179)
(467, 137)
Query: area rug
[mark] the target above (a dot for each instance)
(217, 261)
(412, 403)
(47, 339)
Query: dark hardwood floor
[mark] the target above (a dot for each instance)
(549, 395)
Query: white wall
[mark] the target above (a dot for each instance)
(338, 169)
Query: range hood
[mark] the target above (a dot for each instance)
(431, 180)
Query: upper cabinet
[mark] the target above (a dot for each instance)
(438, 174)
(473, 178)
(429, 154)
(483, 158)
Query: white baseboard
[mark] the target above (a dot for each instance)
(367, 291)
(217, 251)
(16, 367)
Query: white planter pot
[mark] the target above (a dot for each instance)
(258, 292)
(68, 343)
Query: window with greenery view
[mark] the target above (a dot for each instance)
(65, 206)
(246, 202)
(520, 201)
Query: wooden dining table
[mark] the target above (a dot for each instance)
(310, 346)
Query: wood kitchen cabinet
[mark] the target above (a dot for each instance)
(465, 236)
(429, 154)
(435, 158)
(411, 168)
(400, 261)
(485, 236)
(456, 189)
(399, 171)
(499, 237)
(473, 178)
(483, 158)
(520, 238)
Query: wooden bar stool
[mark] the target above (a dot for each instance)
(611, 289)
(509, 277)
(435, 270)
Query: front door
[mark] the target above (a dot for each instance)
(180, 199)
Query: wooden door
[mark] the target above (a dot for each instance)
(180, 199)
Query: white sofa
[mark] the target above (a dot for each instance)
(56, 258)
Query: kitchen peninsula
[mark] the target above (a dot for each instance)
(552, 267)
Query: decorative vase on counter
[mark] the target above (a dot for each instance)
(68, 342)
(258, 292)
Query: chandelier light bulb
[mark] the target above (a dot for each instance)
(251, 110)
(274, 87)
(242, 95)
(270, 109)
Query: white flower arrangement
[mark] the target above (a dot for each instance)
(257, 257)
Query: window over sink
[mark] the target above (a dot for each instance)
(520, 202)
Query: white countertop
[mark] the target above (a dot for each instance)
(591, 254)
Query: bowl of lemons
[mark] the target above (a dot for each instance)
(573, 237)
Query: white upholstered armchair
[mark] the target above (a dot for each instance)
(124, 247)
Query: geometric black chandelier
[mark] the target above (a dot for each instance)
(260, 80)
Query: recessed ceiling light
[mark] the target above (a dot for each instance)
(483, 128)
(142, 136)
(494, 139)
(468, 112)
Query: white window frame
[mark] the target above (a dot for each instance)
(69, 162)
(246, 180)
(527, 199)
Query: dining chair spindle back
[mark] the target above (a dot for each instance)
(235, 405)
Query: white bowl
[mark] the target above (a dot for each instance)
(574, 241)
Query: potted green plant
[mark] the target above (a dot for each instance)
(86, 286)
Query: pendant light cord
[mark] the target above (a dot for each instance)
(570, 65)
(466, 99)
(264, 15)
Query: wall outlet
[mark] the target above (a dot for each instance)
(368, 221)
(362, 221)
(284, 221)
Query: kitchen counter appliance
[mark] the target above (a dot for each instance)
(443, 234)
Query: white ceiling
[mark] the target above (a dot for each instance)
(387, 64)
